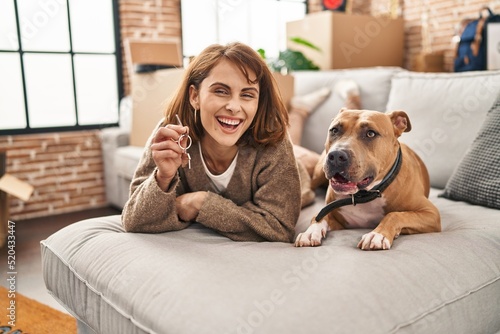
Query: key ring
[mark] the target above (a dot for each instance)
(188, 145)
(189, 140)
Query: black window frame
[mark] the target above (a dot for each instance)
(119, 75)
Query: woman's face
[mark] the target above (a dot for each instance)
(226, 103)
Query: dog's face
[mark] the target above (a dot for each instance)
(361, 147)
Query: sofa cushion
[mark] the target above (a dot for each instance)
(476, 179)
(112, 139)
(446, 110)
(374, 85)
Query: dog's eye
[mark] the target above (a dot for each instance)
(371, 134)
(334, 131)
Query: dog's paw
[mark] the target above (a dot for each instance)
(374, 241)
(312, 236)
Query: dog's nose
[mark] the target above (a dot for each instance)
(338, 158)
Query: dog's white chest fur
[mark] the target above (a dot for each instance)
(366, 215)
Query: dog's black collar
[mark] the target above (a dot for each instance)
(365, 196)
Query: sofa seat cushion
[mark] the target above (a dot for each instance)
(196, 281)
(126, 160)
(446, 111)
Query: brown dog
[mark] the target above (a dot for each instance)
(385, 180)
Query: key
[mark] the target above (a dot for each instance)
(188, 145)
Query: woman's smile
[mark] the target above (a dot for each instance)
(229, 124)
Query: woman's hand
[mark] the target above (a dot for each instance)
(188, 205)
(167, 153)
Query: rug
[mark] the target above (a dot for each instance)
(22, 315)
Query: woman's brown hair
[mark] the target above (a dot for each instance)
(271, 120)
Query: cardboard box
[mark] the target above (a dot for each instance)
(166, 51)
(9, 185)
(348, 40)
(151, 93)
(493, 46)
(429, 62)
(15, 187)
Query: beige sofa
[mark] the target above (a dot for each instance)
(196, 281)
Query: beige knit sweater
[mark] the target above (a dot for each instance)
(261, 202)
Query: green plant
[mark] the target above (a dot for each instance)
(292, 60)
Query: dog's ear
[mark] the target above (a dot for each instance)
(401, 122)
(342, 109)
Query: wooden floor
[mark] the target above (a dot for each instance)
(29, 233)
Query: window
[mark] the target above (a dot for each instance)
(258, 23)
(60, 65)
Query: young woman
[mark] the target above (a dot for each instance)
(227, 162)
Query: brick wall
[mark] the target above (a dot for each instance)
(65, 169)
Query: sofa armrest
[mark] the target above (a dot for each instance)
(112, 139)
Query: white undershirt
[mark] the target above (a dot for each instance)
(220, 181)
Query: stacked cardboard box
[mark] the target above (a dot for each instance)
(9, 185)
(348, 40)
